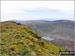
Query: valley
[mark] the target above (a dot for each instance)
(62, 31)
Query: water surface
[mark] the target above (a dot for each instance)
(48, 38)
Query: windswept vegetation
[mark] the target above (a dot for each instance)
(21, 40)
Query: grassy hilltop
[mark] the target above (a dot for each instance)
(21, 40)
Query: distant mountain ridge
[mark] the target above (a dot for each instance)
(63, 29)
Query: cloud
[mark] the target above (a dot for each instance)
(27, 10)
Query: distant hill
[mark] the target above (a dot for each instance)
(21, 40)
(63, 29)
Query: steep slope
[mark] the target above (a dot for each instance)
(61, 30)
(21, 40)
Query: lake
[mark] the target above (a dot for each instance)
(48, 38)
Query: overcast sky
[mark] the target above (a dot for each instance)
(37, 10)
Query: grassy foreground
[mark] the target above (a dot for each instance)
(21, 40)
